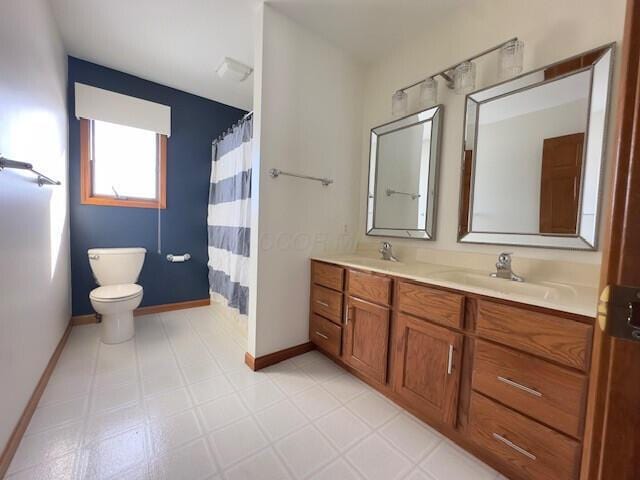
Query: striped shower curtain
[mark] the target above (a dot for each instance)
(228, 219)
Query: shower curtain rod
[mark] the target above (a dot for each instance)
(234, 125)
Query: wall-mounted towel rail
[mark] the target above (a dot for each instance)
(275, 172)
(42, 179)
(413, 196)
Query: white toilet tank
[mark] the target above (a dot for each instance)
(113, 266)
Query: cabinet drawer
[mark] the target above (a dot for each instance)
(541, 390)
(436, 305)
(325, 334)
(327, 303)
(565, 341)
(330, 276)
(535, 451)
(375, 288)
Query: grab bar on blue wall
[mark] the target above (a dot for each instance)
(42, 179)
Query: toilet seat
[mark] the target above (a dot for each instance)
(116, 293)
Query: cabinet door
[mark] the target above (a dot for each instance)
(367, 338)
(427, 367)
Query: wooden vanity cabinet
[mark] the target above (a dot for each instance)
(327, 275)
(549, 393)
(370, 287)
(326, 335)
(533, 450)
(438, 306)
(506, 381)
(366, 339)
(326, 308)
(427, 367)
(549, 336)
(327, 303)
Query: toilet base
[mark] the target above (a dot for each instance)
(117, 327)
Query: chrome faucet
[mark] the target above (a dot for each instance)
(503, 268)
(387, 252)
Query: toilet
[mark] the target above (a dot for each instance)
(116, 270)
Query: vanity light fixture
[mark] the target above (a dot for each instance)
(464, 78)
(460, 77)
(510, 59)
(429, 92)
(399, 104)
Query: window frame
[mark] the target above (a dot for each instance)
(86, 174)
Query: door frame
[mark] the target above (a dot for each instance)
(612, 435)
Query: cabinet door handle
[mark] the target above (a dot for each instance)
(517, 448)
(520, 386)
(322, 335)
(346, 315)
(450, 360)
(324, 304)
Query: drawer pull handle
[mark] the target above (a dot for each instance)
(518, 449)
(324, 304)
(520, 386)
(322, 335)
(450, 360)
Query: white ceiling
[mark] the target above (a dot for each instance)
(180, 43)
(366, 28)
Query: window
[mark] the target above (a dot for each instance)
(122, 166)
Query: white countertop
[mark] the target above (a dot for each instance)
(578, 299)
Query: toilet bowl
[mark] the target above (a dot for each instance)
(116, 270)
(116, 303)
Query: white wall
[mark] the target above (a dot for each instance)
(34, 233)
(307, 116)
(551, 31)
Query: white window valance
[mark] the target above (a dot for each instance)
(99, 104)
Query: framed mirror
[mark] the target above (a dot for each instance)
(532, 157)
(403, 168)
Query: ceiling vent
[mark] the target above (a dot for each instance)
(233, 70)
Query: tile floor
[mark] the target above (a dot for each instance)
(177, 402)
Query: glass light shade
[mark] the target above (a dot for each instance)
(464, 78)
(510, 59)
(399, 104)
(429, 92)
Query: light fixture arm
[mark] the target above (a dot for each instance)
(446, 72)
(448, 78)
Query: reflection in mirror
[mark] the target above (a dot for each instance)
(532, 156)
(402, 176)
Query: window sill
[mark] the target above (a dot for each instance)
(114, 202)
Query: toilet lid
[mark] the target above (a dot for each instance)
(116, 292)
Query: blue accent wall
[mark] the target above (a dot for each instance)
(195, 123)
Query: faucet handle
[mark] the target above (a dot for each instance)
(505, 258)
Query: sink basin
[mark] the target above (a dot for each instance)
(368, 262)
(401, 268)
(540, 290)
